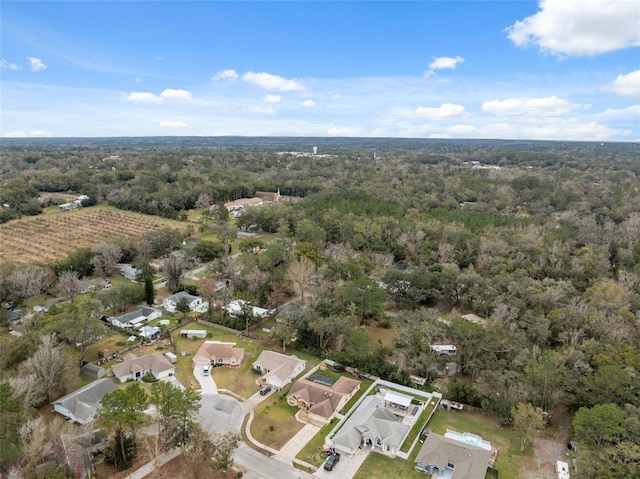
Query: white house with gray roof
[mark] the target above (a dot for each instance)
(136, 317)
(170, 303)
(278, 369)
(81, 405)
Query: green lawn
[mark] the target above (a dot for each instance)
(274, 422)
(417, 427)
(506, 440)
(311, 452)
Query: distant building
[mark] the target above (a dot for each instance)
(172, 301)
(134, 367)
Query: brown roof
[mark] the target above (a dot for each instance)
(215, 350)
(323, 400)
(470, 462)
(278, 364)
(268, 195)
(155, 362)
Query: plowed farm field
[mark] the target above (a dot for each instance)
(51, 237)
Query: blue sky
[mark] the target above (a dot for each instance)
(549, 69)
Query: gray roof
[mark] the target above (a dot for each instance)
(469, 462)
(136, 313)
(84, 402)
(182, 294)
(372, 422)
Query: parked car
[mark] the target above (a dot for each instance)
(331, 461)
(265, 390)
(205, 370)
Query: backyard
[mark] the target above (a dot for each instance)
(274, 422)
(506, 440)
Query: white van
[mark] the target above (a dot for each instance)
(205, 370)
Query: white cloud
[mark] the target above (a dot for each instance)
(272, 82)
(11, 66)
(36, 64)
(144, 97)
(308, 103)
(626, 85)
(272, 98)
(442, 112)
(546, 106)
(579, 27)
(28, 134)
(265, 110)
(225, 75)
(176, 94)
(443, 62)
(173, 124)
(138, 80)
(632, 111)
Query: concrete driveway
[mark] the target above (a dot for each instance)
(346, 468)
(218, 414)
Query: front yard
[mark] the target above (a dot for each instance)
(274, 421)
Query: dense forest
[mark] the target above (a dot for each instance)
(540, 239)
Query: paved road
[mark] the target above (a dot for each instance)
(218, 414)
(268, 468)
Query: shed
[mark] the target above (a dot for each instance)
(93, 371)
(171, 357)
(193, 333)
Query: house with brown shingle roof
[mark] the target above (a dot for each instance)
(278, 369)
(134, 367)
(319, 401)
(218, 353)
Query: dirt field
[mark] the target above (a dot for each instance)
(548, 450)
(51, 237)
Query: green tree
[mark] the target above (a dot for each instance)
(598, 425)
(178, 409)
(527, 419)
(183, 306)
(208, 250)
(149, 291)
(123, 409)
(12, 414)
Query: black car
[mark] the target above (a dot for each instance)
(331, 461)
(265, 390)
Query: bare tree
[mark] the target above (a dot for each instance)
(300, 273)
(69, 283)
(47, 365)
(30, 281)
(225, 446)
(105, 258)
(255, 279)
(173, 269)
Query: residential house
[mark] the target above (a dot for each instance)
(319, 402)
(242, 203)
(444, 349)
(218, 353)
(133, 367)
(149, 333)
(81, 405)
(235, 308)
(455, 456)
(170, 303)
(372, 425)
(278, 369)
(269, 196)
(136, 317)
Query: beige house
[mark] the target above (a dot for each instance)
(455, 455)
(320, 402)
(134, 367)
(218, 353)
(278, 369)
